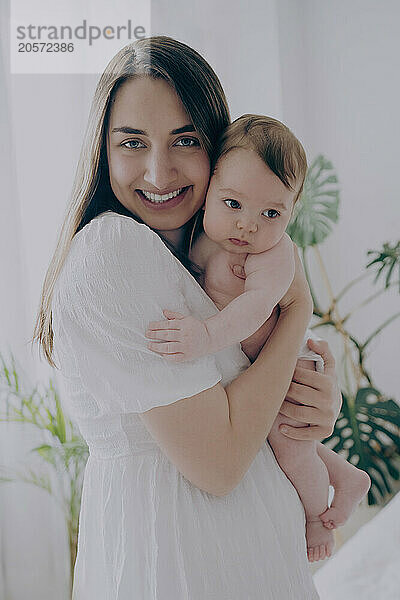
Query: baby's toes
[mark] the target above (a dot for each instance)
(310, 554)
(322, 552)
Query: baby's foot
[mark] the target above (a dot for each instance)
(320, 542)
(346, 499)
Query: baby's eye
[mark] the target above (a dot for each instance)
(187, 142)
(268, 212)
(235, 203)
(135, 147)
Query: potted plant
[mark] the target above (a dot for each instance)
(367, 431)
(63, 450)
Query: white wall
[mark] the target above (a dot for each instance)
(238, 38)
(341, 93)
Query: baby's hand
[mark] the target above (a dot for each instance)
(239, 271)
(183, 338)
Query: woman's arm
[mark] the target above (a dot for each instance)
(253, 345)
(214, 436)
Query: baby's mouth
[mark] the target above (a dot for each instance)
(238, 242)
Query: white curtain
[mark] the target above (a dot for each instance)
(33, 544)
(44, 117)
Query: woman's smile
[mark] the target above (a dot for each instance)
(164, 201)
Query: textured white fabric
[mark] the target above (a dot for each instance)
(146, 532)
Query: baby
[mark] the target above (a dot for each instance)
(248, 263)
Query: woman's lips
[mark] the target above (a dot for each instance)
(164, 205)
(238, 242)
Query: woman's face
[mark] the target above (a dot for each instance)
(158, 170)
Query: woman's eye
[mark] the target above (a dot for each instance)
(187, 142)
(234, 203)
(271, 216)
(135, 144)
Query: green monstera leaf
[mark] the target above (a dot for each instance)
(318, 207)
(367, 434)
(388, 259)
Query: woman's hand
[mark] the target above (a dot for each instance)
(319, 396)
(299, 291)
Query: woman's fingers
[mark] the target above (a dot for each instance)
(307, 377)
(303, 414)
(314, 432)
(304, 394)
(316, 398)
(316, 389)
(322, 348)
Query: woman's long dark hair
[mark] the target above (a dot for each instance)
(201, 94)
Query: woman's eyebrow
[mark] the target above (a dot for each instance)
(126, 129)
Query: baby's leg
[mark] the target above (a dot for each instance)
(307, 472)
(350, 484)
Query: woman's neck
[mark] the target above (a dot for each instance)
(175, 236)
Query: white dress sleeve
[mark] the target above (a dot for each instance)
(119, 276)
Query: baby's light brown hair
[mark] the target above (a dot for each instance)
(274, 143)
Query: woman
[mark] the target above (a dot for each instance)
(182, 497)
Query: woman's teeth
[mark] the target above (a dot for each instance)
(157, 198)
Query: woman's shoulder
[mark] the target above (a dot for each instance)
(111, 238)
(112, 248)
(111, 228)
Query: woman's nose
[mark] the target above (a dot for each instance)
(248, 225)
(159, 171)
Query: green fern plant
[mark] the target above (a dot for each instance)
(63, 450)
(367, 431)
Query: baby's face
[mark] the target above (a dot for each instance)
(246, 202)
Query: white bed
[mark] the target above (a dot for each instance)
(366, 567)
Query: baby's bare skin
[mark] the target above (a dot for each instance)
(309, 465)
(268, 275)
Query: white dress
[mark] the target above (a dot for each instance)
(146, 532)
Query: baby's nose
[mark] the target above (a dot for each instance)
(250, 226)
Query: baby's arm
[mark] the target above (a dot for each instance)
(268, 276)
